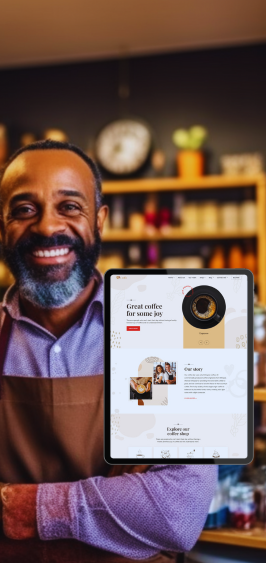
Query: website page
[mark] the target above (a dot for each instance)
(178, 366)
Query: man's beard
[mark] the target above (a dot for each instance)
(41, 284)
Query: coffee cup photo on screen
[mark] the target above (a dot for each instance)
(140, 388)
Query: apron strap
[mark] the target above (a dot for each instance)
(4, 339)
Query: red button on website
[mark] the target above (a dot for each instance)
(133, 327)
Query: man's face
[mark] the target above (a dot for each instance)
(50, 229)
(167, 367)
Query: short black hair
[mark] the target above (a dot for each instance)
(48, 144)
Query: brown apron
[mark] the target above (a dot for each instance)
(51, 430)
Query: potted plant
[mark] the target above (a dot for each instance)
(190, 157)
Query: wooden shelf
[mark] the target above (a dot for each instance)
(252, 538)
(260, 395)
(178, 184)
(203, 183)
(120, 235)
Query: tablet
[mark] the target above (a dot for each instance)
(178, 366)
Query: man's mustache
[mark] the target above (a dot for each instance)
(35, 240)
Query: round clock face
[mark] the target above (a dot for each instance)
(123, 146)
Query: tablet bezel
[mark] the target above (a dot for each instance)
(107, 367)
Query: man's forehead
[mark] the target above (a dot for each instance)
(64, 165)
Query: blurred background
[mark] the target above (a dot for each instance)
(169, 98)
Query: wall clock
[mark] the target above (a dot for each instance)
(123, 146)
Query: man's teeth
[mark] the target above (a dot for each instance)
(50, 253)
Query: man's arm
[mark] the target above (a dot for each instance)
(112, 513)
(171, 381)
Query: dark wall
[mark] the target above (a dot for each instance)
(223, 89)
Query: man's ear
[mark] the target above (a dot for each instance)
(101, 216)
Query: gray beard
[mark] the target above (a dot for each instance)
(51, 295)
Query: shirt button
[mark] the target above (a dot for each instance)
(57, 348)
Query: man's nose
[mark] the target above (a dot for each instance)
(48, 224)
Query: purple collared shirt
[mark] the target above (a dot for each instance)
(135, 515)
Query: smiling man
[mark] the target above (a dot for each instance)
(55, 484)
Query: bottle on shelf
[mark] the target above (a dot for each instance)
(117, 213)
(151, 213)
(235, 257)
(152, 255)
(164, 220)
(260, 345)
(250, 258)
(178, 202)
(217, 259)
(134, 256)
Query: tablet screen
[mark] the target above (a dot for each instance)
(179, 366)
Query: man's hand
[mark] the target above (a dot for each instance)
(19, 511)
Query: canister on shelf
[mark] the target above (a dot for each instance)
(248, 215)
(190, 217)
(209, 216)
(136, 222)
(173, 262)
(229, 216)
(193, 262)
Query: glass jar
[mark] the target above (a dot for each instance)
(242, 507)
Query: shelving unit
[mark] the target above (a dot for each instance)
(151, 185)
(174, 234)
(260, 395)
(255, 538)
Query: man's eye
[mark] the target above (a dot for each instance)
(23, 210)
(70, 208)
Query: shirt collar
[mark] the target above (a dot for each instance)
(11, 302)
